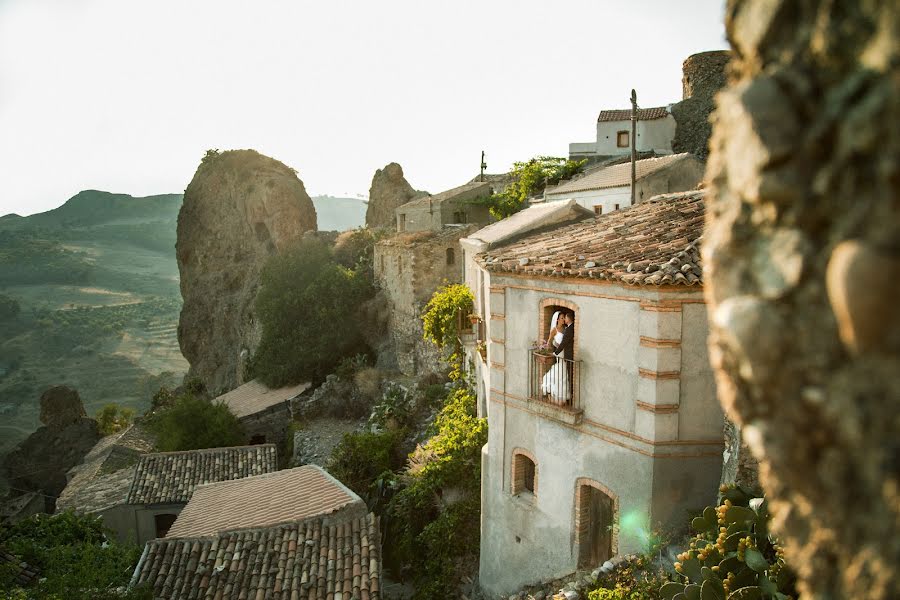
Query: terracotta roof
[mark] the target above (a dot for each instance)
(22, 573)
(616, 175)
(166, 477)
(318, 559)
(468, 190)
(254, 397)
(644, 114)
(655, 242)
(263, 501)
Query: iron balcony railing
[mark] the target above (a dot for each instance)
(554, 381)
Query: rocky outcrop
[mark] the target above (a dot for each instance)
(40, 462)
(703, 76)
(389, 190)
(240, 208)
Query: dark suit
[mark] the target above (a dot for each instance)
(566, 346)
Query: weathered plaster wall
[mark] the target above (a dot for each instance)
(270, 423)
(655, 135)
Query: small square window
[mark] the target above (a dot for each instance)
(617, 207)
(622, 139)
(598, 209)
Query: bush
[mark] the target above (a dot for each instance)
(434, 536)
(308, 308)
(360, 458)
(529, 178)
(113, 418)
(76, 558)
(193, 423)
(440, 321)
(355, 248)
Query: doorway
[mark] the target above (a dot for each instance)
(595, 519)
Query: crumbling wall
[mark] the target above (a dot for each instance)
(703, 76)
(802, 259)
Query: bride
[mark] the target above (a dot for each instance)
(555, 382)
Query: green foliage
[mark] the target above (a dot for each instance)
(27, 260)
(635, 578)
(433, 536)
(529, 178)
(210, 155)
(395, 410)
(113, 418)
(308, 308)
(440, 320)
(75, 557)
(194, 422)
(9, 308)
(355, 249)
(360, 458)
(732, 556)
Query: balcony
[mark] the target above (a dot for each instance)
(555, 383)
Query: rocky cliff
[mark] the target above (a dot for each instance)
(40, 462)
(389, 190)
(240, 208)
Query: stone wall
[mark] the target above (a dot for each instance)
(704, 76)
(269, 424)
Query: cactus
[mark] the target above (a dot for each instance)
(732, 556)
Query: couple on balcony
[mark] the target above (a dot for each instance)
(556, 382)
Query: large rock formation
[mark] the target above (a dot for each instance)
(41, 461)
(240, 208)
(802, 262)
(703, 75)
(389, 190)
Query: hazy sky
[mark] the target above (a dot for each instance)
(127, 95)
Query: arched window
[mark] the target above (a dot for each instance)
(524, 472)
(451, 256)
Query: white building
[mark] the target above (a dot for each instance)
(655, 131)
(638, 443)
(605, 189)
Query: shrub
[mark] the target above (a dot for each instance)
(355, 248)
(308, 308)
(529, 178)
(732, 554)
(76, 558)
(440, 320)
(113, 418)
(360, 458)
(193, 423)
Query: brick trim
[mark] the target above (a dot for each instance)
(517, 480)
(648, 374)
(662, 409)
(649, 342)
(580, 524)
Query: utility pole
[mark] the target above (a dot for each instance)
(483, 167)
(634, 109)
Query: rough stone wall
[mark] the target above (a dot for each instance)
(802, 263)
(240, 208)
(703, 76)
(271, 423)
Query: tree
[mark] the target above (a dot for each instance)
(529, 178)
(440, 321)
(9, 308)
(113, 418)
(801, 259)
(194, 422)
(75, 555)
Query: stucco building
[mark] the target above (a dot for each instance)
(655, 129)
(607, 188)
(451, 207)
(635, 441)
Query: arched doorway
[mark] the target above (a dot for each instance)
(596, 523)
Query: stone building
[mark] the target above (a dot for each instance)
(452, 207)
(299, 533)
(655, 129)
(703, 76)
(576, 474)
(139, 497)
(264, 413)
(409, 267)
(608, 188)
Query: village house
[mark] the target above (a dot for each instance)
(603, 189)
(264, 414)
(655, 129)
(628, 436)
(451, 207)
(139, 496)
(297, 533)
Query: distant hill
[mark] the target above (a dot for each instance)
(91, 208)
(339, 214)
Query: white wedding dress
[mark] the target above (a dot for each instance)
(555, 382)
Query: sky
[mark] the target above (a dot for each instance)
(127, 95)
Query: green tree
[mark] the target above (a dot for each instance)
(194, 422)
(9, 308)
(441, 317)
(529, 178)
(308, 308)
(113, 418)
(76, 556)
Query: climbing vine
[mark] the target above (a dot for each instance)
(440, 321)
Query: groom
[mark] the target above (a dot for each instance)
(566, 346)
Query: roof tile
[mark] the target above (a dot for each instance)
(644, 114)
(616, 175)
